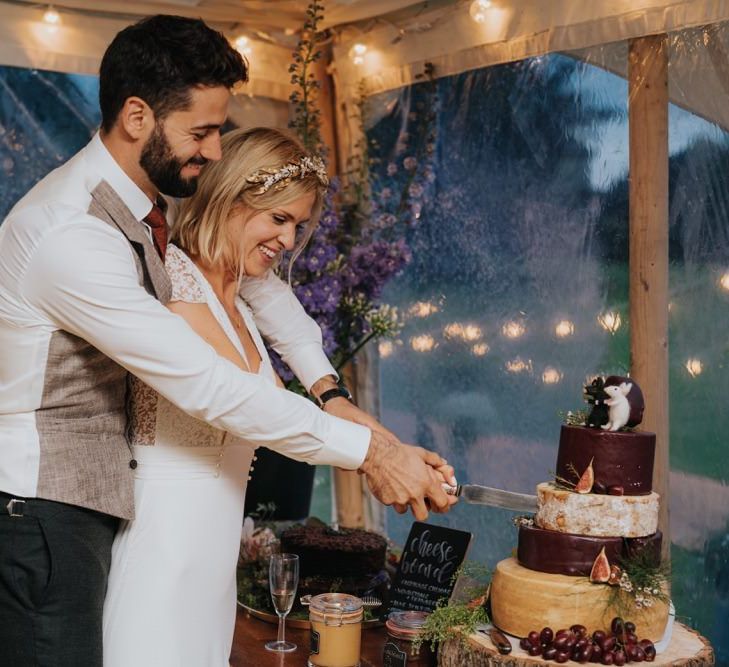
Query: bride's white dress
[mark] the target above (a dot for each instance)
(171, 599)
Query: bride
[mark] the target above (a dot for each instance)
(172, 588)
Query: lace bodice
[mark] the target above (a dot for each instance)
(154, 420)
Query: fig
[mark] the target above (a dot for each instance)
(600, 573)
(587, 480)
(615, 574)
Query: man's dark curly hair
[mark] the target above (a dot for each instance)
(160, 59)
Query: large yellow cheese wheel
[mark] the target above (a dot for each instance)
(523, 600)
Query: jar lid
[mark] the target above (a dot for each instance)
(336, 608)
(406, 623)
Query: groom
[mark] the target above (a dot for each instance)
(82, 294)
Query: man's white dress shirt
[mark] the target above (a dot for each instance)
(63, 269)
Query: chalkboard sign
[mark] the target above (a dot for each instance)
(430, 558)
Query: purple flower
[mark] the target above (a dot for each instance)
(409, 163)
(391, 169)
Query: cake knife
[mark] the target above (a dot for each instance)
(486, 495)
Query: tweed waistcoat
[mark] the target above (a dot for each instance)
(82, 421)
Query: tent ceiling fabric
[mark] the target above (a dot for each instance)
(401, 36)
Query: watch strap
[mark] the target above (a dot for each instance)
(329, 394)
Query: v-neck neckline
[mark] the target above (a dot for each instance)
(228, 326)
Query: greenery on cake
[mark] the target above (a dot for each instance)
(641, 582)
(459, 616)
(573, 417)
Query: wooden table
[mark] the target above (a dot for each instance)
(251, 634)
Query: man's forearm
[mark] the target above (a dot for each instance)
(323, 384)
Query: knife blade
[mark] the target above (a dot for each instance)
(486, 495)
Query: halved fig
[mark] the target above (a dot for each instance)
(600, 573)
(615, 574)
(587, 480)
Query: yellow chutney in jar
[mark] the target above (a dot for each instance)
(336, 630)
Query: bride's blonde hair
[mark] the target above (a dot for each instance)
(225, 186)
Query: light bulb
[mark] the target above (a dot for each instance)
(724, 281)
(51, 16)
(694, 367)
(357, 53)
(610, 321)
(424, 343)
(243, 45)
(513, 329)
(564, 328)
(480, 349)
(551, 375)
(478, 10)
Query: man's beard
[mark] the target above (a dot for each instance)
(164, 168)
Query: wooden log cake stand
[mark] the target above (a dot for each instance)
(687, 649)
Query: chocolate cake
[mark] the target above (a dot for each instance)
(619, 458)
(573, 555)
(325, 551)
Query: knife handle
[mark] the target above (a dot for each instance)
(502, 644)
(451, 490)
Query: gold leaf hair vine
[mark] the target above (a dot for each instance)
(279, 177)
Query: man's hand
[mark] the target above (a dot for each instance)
(403, 475)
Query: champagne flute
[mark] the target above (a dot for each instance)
(283, 577)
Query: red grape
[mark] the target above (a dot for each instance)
(619, 658)
(616, 625)
(533, 638)
(549, 653)
(546, 635)
(599, 635)
(562, 656)
(607, 658)
(579, 630)
(534, 650)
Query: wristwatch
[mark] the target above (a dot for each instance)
(329, 394)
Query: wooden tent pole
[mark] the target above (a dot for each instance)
(348, 502)
(648, 123)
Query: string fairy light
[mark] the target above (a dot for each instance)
(564, 328)
(479, 10)
(243, 45)
(610, 321)
(51, 16)
(694, 366)
(357, 53)
(424, 343)
(513, 329)
(551, 375)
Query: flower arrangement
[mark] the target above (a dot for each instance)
(360, 242)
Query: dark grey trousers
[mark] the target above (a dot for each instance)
(54, 565)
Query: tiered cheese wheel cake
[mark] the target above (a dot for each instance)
(552, 581)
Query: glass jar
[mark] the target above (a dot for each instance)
(336, 630)
(403, 628)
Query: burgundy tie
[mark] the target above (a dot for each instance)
(157, 221)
